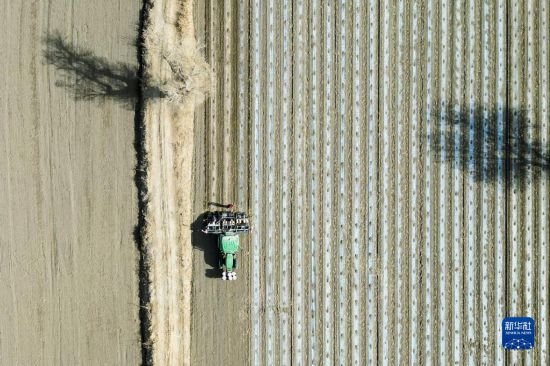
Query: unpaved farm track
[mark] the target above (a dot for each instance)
(169, 147)
(68, 261)
(394, 158)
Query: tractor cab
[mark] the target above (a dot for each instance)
(229, 245)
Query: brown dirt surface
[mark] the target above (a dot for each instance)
(220, 309)
(174, 63)
(68, 261)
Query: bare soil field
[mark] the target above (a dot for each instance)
(394, 158)
(68, 260)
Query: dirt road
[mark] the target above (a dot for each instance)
(178, 69)
(68, 261)
(394, 157)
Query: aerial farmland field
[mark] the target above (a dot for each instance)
(393, 157)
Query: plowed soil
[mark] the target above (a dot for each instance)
(68, 260)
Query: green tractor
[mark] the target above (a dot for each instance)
(227, 225)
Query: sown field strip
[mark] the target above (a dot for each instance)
(357, 182)
(471, 198)
(269, 184)
(256, 175)
(385, 147)
(372, 181)
(485, 224)
(243, 95)
(514, 194)
(298, 166)
(285, 145)
(499, 205)
(328, 173)
(543, 239)
(225, 141)
(529, 198)
(314, 161)
(444, 194)
(415, 234)
(401, 149)
(343, 32)
(429, 297)
(213, 118)
(457, 177)
(386, 300)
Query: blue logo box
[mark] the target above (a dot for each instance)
(518, 333)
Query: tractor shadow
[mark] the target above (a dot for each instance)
(207, 243)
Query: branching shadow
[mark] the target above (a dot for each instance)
(90, 77)
(208, 245)
(488, 143)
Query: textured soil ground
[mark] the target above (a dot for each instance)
(68, 260)
(169, 129)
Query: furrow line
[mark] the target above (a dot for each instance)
(470, 195)
(256, 179)
(514, 257)
(212, 139)
(528, 280)
(357, 182)
(386, 322)
(343, 312)
(543, 311)
(458, 265)
(443, 212)
(270, 182)
(428, 315)
(299, 208)
(500, 225)
(372, 190)
(285, 194)
(327, 196)
(242, 106)
(401, 189)
(485, 276)
(314, 159)
(227, 158)
(159, 292)
(414, 228)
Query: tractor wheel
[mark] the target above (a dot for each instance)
(235, 263)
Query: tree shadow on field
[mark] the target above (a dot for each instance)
(90, 77)
(208, 244)
(489, 144)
